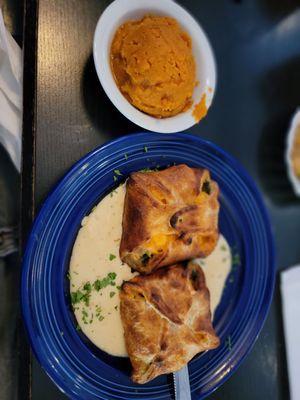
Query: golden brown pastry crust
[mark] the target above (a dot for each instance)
(169, 216)
(166, 319)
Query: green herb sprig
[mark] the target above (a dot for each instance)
(108, 280)
(83, 294)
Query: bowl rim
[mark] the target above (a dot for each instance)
(181, 121)
(265, 306)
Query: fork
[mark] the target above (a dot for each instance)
(182, 384)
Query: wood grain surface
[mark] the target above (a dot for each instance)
(257, 49)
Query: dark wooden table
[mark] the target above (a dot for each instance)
(257, 48)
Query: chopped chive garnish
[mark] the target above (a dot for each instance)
(88, 287)
(145, 149)
(82, 295)
(118, 172)
(112, 275)
(92, 318)
(236, 259)
(76, 296)
(108, 280)
(98, 310)
(84, 316)
(99, 316)
(126, 156)
(111, 257)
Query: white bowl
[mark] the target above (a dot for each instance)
(295, 123)
(116, 14)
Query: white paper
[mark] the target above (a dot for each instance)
(290, 292)
(11, 68)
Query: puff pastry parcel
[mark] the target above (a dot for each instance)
(169, 216)
(166, 319)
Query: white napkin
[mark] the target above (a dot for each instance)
(290, 292)
(11, 70)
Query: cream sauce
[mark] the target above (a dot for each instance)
(216, 268)
(95, 257)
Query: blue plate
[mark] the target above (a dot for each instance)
(80, 369)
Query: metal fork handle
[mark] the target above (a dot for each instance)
(182, 384)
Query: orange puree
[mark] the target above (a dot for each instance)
(296, 153)
(200, 109)
(153, 65)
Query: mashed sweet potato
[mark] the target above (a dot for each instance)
(296, 153)
(153, 65)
